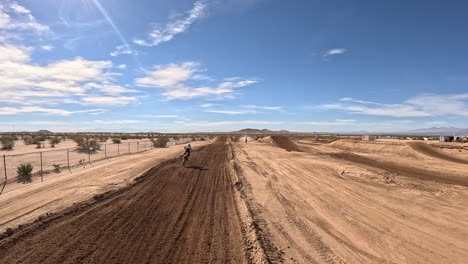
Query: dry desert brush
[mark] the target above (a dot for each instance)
(24, 172)
(7, 142)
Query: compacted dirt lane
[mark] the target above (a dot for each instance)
(173, 215)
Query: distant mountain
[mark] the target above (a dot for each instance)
(44, 131)
(260, 131)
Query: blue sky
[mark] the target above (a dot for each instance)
(213, 65)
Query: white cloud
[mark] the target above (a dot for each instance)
(123, 50)
(165, 116)
(207, 105)
(122, 66)
(337, 122)
(16, 21)
(227, 112)
(275, 108)
(227, 123)
(424, 105)
(25, 83)
(47, 47)
(332, 52)
(173, 80)
(45, 111)
(118, 121)
(109, 100)
(160, 34)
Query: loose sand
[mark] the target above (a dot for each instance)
(321, 208)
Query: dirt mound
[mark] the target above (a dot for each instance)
(268, 140)
(285, 143)
(172, 215)
(431, 151)
(384, 147)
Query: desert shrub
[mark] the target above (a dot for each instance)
(54, 141)
(202, 139)
(161, 142)
(24, 172)
(28, 140)
(56, 168)
(86, 144)
(7, 142)
(116, 140)
(38, 145)
(103, 138)
(124, 137)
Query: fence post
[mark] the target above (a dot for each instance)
(68, 159)
(89, 154)
(42, 173)
(138, 146)
(105, 151)
(6, 178)
(129, 148)
(145, 144)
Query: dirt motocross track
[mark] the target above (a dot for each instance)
(431, 151)
(173, 215)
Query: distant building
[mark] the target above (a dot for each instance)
(446, 139)
(369, 138)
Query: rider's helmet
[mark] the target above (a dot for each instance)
(189, 146)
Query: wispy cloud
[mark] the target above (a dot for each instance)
(108, 100)
(118, 121)
(174, 78)
(275, 108)
(122, 66)
(208, 105)
(123, 50)
(337, 122)
(16, 21)
(47, 47)
(45, 111)
(424, 105)
(227, 123)
(160, 116)
(160, 34)
(332, 52)
(231, 112)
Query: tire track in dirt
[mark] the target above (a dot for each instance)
(173, 215)
(432, 152)
(412, 172)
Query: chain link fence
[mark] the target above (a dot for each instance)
(48, 162)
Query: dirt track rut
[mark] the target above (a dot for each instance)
(175, 215)
(431, 151)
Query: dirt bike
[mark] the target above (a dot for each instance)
(185, 158)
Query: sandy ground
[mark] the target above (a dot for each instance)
(65, 154)
(321, 208)
(22, 205)
(188, 213)
(252, 202)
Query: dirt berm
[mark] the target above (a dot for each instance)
(431, 151)
(172, 215)
(285, 143)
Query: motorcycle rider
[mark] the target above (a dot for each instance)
(188, 149)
